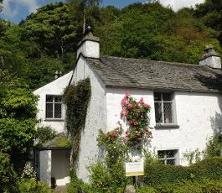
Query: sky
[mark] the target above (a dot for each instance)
(16, 10)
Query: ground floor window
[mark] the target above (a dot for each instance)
(168, 157)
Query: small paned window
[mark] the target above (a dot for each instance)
(163, 107)
(53, 107)
(168, 157)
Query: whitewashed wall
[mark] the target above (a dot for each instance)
(95, 120)
(55, 87)
(113, 105)
(45, 166)
(89, 49)
(197, 116)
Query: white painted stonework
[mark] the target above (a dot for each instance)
(55, 87)
(53, 163)
(45, 167)
(212, 61)
(197, 115)
(95, 120)
(89, 49)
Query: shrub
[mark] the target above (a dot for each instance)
(7, 175)
(187, 187)
(214, 146)
(207, 169)
(107, 179)
(147, 190)
(212, 187)
(77, 185)
(28, 171)
(204, 186)
(108, 175)
(112, 144)
(44, 134)
(157, 173)
(33, 186)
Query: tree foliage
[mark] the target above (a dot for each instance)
(7, 175)
(47, 40)
(17, 118)
(210, 13)
(152, 31)
(53, 28)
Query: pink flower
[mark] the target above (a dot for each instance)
(146, 106)
(124, 102)
(130, 106)
(124, 112)
(141, 101)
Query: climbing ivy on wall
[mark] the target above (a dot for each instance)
(76, 98)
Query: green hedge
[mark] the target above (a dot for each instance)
(202, 177)
(204, 186)
(158, 173)
(209, 168)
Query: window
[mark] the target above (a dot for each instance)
(163, 107)
(53, 107)
(168, 157)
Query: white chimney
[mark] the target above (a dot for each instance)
(210, 58)
(89, 46)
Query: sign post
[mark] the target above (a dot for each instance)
(134, 169)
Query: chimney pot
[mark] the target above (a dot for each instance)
(210, 58)
(89, 46)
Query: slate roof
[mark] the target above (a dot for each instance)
(156, 75)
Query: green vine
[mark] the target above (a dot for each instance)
(76, 98)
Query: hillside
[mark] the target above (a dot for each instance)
(46, 41)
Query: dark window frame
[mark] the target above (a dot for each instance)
(161, 106)
(166, 159)
(53, 103)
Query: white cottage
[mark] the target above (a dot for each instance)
(185, 100)
(51, 162)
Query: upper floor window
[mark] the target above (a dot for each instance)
(53, 107)
(163, 107)
(168, 157)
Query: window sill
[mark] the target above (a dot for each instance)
(166, 126)
(54, 120)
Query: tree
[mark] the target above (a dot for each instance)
(7, 175)
(155, 32)
(210, 13)
(87, 12)
(17, 119)
(53, 28)
(42, 71)
(1, 5)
